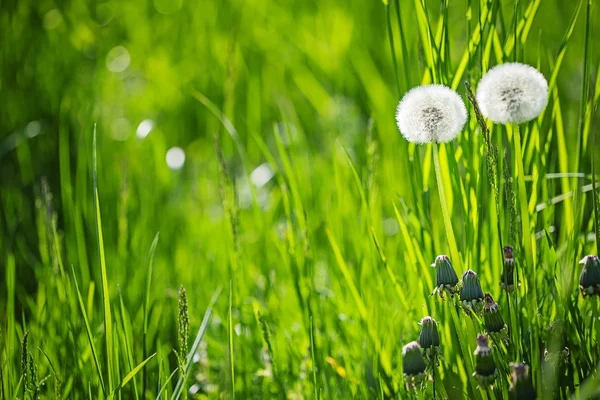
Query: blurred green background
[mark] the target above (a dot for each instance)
(318, 72)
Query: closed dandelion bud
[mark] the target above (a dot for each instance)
(589, 280)
(512, 93)
(445, 276)
(507, 279)
(492, 317)
(521, 387)
(431, 114)
(485, 367)
(471, 294)
(413, 364)
(429, 339)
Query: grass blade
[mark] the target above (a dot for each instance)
(130, 376)
(149, 270)
(446, 214)
(230, 337)
(362, 310)
(105, 292)
(164, 387)
(88, 331)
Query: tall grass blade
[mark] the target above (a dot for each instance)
(149, 271)
(108, 324)
(230, 337)
(88, 330)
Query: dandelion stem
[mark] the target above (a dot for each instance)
(529, 255)
(594, 303)
(433, 364)
(447, 221)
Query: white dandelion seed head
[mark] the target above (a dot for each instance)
(431, 113)
(512, 93)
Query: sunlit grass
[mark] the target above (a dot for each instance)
(308, 282)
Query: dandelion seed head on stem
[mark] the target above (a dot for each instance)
(512, 93)
(431, 114)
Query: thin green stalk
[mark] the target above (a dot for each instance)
(230, 324)
(446, 214)
(190, 356)
(108, 324)
(313, 359)
(530, 266)
(403, 46)
(584, 88)
(463, 345)
(392, 47)
(146, 306)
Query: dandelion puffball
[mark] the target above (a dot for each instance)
(512, 93)
(431, 113)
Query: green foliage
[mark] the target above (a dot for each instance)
(297, 192)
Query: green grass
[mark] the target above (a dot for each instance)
(325, 265)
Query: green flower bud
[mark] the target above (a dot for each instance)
(589, 280)
(521, 387)
(507, 279)
(471, 294)
(492, 317)
(485, 367)
(413, 365)
(428, 337)
(445, 277)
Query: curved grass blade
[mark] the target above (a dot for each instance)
(88, 331)
(130, 376)
(164, 387)
(362, 310)
(108, 327)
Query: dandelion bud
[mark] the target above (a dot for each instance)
(413, 364)
(521, 387)
(512, 93)
(485, 367)
(507, 279)
(431, 114)
(429, 339)
(589, 280)
(445, 277)
(471, 294)
(492, 317)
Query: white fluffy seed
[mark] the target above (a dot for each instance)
(512, 93)
(431, 114)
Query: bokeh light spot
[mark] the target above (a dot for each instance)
(168, 6)
(175, 158)
(33, 129)
(120, 129)
(118, 59)
(261, 175)
(144, 128)
(52, 19)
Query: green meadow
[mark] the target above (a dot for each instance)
(211, 199)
